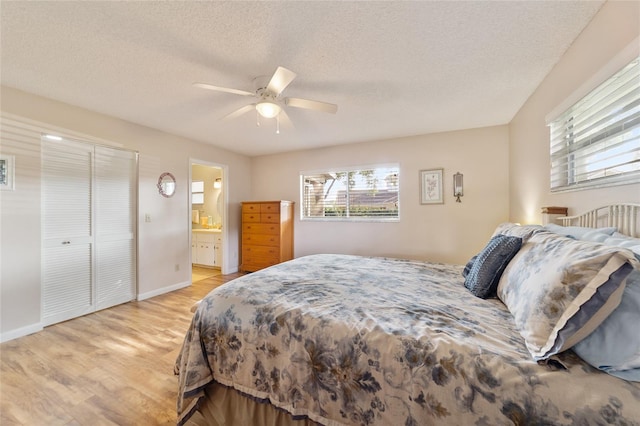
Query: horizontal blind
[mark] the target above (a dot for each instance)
(364, 193)
(596, 141)
(67, 238)
(66, 283)
(115, 213)
(66, 189)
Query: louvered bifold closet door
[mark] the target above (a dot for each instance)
(67, 290)
(115, 248)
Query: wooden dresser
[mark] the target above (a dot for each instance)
(267, 234)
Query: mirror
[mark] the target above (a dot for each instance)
(166, 185)
(219, 201)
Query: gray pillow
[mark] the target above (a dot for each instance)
(484, 274)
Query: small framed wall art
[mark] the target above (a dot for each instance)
(7, 172)
(431, 186)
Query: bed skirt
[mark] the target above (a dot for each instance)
(224, 406)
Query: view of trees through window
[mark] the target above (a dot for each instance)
(366, 193)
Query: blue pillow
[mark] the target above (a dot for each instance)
(468, 266)
(578, 232)
(620, 240)
(484, 274)
(614, 347)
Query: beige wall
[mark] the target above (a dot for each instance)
(162, 243)
(449, 232)
(615, 26)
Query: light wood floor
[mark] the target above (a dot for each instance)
(112, 367)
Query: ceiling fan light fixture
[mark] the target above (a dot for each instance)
(268, 109)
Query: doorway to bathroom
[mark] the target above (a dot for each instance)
(208, 207)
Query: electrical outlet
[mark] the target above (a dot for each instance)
(177, 267)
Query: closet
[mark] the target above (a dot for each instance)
(88, 228)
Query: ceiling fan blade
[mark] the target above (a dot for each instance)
(239, 112)
(224, 89)
(285, 121)
(280, 80)
(309, 104)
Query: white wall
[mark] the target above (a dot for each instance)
(449, 232)
(162, 243)
(614, 27)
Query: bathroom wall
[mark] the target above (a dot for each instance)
(210, 207)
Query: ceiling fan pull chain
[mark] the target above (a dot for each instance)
(278, 124)
(257, 119)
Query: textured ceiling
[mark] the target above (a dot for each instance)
(394, 68)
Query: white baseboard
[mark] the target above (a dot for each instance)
(20, 332)
(163, 290)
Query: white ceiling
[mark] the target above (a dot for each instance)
(394, 68)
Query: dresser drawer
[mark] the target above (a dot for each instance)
(270, 217)
(251, 217)
(263, 253)
(270, 208)
(250, 208)
(261, 228)
(252, 265)
(261, 240)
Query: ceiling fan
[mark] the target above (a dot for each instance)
(269, 102)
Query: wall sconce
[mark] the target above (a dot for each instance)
(457, 186)
(217, 184)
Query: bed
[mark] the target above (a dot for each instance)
(351, 340)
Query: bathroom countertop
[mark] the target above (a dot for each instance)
(215, 231)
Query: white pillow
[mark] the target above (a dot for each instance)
(559, 289)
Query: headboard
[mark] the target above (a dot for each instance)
(623, 216)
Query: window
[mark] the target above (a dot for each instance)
(197, 192)
(367, 193)
(596, 142)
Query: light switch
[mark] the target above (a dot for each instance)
(147, 217)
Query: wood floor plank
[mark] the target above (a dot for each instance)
(112, 367)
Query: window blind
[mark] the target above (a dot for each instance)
(596, 142)
(369, 193)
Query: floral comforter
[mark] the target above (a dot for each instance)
(348, 340)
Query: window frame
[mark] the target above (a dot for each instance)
(348, 218)
(578, 158)
(197, 192)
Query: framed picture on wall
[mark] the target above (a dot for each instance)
(431, 186)
(7, 172)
